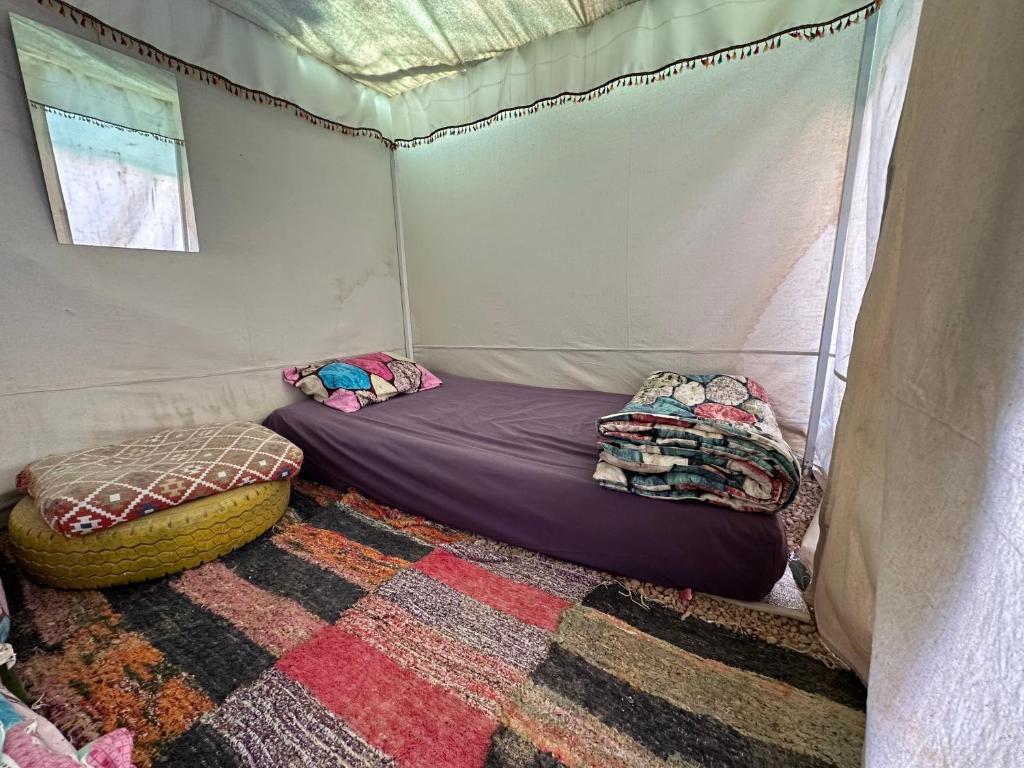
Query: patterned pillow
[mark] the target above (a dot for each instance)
(349, 383)
(90, 490)
(30, 741)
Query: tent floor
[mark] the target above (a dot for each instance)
(355, 634)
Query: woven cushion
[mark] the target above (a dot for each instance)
(349, 383)
(83, 492)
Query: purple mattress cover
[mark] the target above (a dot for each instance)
(515, 463)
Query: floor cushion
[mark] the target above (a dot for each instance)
(86, 491)
(148, 547)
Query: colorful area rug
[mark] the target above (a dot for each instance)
(356, 635)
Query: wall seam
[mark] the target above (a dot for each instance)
(154, 379)
(786, 352)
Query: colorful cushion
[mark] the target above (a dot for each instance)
(88, 491)
(31, 741)
(26, 749)
(5, 617)
(349, 383)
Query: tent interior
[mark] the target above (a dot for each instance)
(639, 382)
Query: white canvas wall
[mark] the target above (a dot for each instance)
(637, 37)
(684, 225)
(297, 262)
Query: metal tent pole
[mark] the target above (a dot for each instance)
(839, 249)
(403, 279)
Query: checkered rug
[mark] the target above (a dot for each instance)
(361, 636)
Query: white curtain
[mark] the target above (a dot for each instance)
(921, 566)
(887, 85)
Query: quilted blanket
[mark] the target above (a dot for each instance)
(712, 437)
(84, 492)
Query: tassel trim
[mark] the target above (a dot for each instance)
(103, 123)
(807, 33)
(191, 71)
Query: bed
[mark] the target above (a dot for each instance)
(515, 463)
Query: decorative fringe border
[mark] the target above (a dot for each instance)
(807, 32)
(103, 123)
(144, 49)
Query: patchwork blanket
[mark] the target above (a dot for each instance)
(711, 437)
(87, 491)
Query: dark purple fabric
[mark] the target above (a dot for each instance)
(515, 463)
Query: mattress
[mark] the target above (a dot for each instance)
(515, 463)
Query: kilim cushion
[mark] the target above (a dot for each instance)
(87, 491)
(349, 383)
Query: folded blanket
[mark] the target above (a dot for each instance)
(711, 437)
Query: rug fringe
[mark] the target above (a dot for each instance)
(287, 520)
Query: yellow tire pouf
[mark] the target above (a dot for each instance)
(148, 547)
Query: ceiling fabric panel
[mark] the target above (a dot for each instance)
(395, 46)
(403, 44)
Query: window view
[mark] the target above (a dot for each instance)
(110, 141)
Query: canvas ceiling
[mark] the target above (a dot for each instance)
(398, 45)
